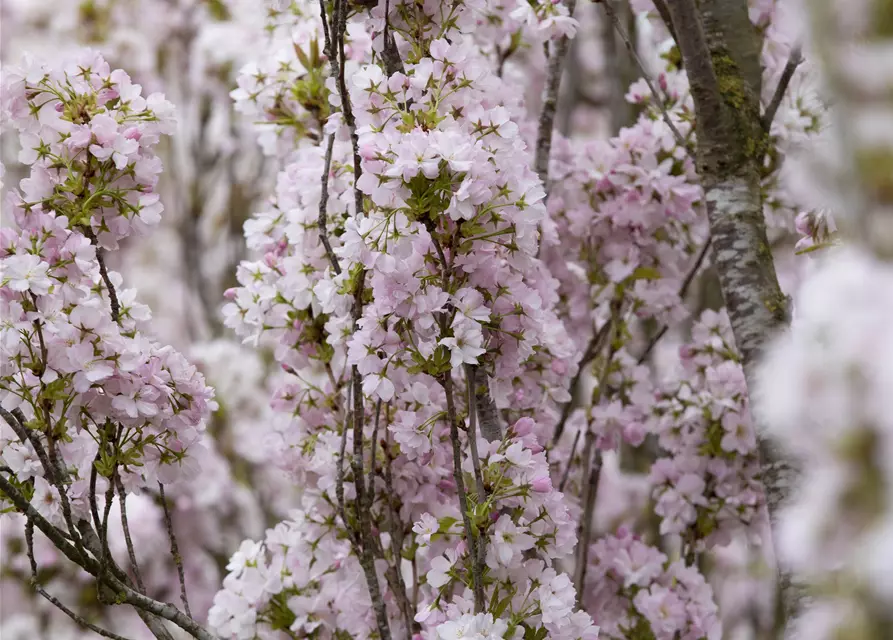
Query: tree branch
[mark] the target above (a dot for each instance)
(794, 60)
(550, 103)
(584, 530)
(35, 584)
(720, 48)
(134, 565)
(592, 350)
(477, 571)
(175, 550)
(659, 98)
(686, 283)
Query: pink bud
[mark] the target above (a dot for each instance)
(447, 485)
(559, 367)
(542, 484)
(461, 547)
(634, 433)
(133, 133)
(535, 448)
(686, 352)
(230, 294)
(427, 458)
(803, 224)
(270, 260)
(523, 426)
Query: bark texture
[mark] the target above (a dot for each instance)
(720, 49)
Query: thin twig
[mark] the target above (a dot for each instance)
(117, 580)
(113, 296)
(134, 565)
(370, 482)
(104, 533)
(794, 60)
(323, 204)
(570, 461)
(683, 290)
(590, 493)
(346, 108)
(664, 14)
(79, 620)
(477, 572)
(546, 126)
(592, 349)
(472, 435)
(395, 528)
(659, 98)
(175, 551)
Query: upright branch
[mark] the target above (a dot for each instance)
(555, 66)
(794, 60)
(175, 550)
(659, 97)
(334, 34)
(471, 537)
(720, 49)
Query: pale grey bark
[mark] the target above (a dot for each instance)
(720, 50)
(487, 415)
(555, 67)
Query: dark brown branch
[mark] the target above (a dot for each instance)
(664, 14)
(113, 296)
(134, 565)
(35, 584)
(794, 60)
(683, 290)
(471, 537)
(659, 98)
(472, 434)
(175, 550)
(592, 350)
(323, 205)
(570, 461)
(584, 530)
(487, 415)
(555, 67)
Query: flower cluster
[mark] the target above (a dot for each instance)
(78, 368)
(639, 593)
(708, 484)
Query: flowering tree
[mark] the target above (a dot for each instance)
(483, 329)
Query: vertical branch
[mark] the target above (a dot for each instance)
(596, 344)
(659, 97)
(720, 50)
(487, 416)
(175, 550)
(592, 474)
(555, 66)
(113, 296)
(477, 571)
(472, 434)
(134, 565)
(323, 205)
